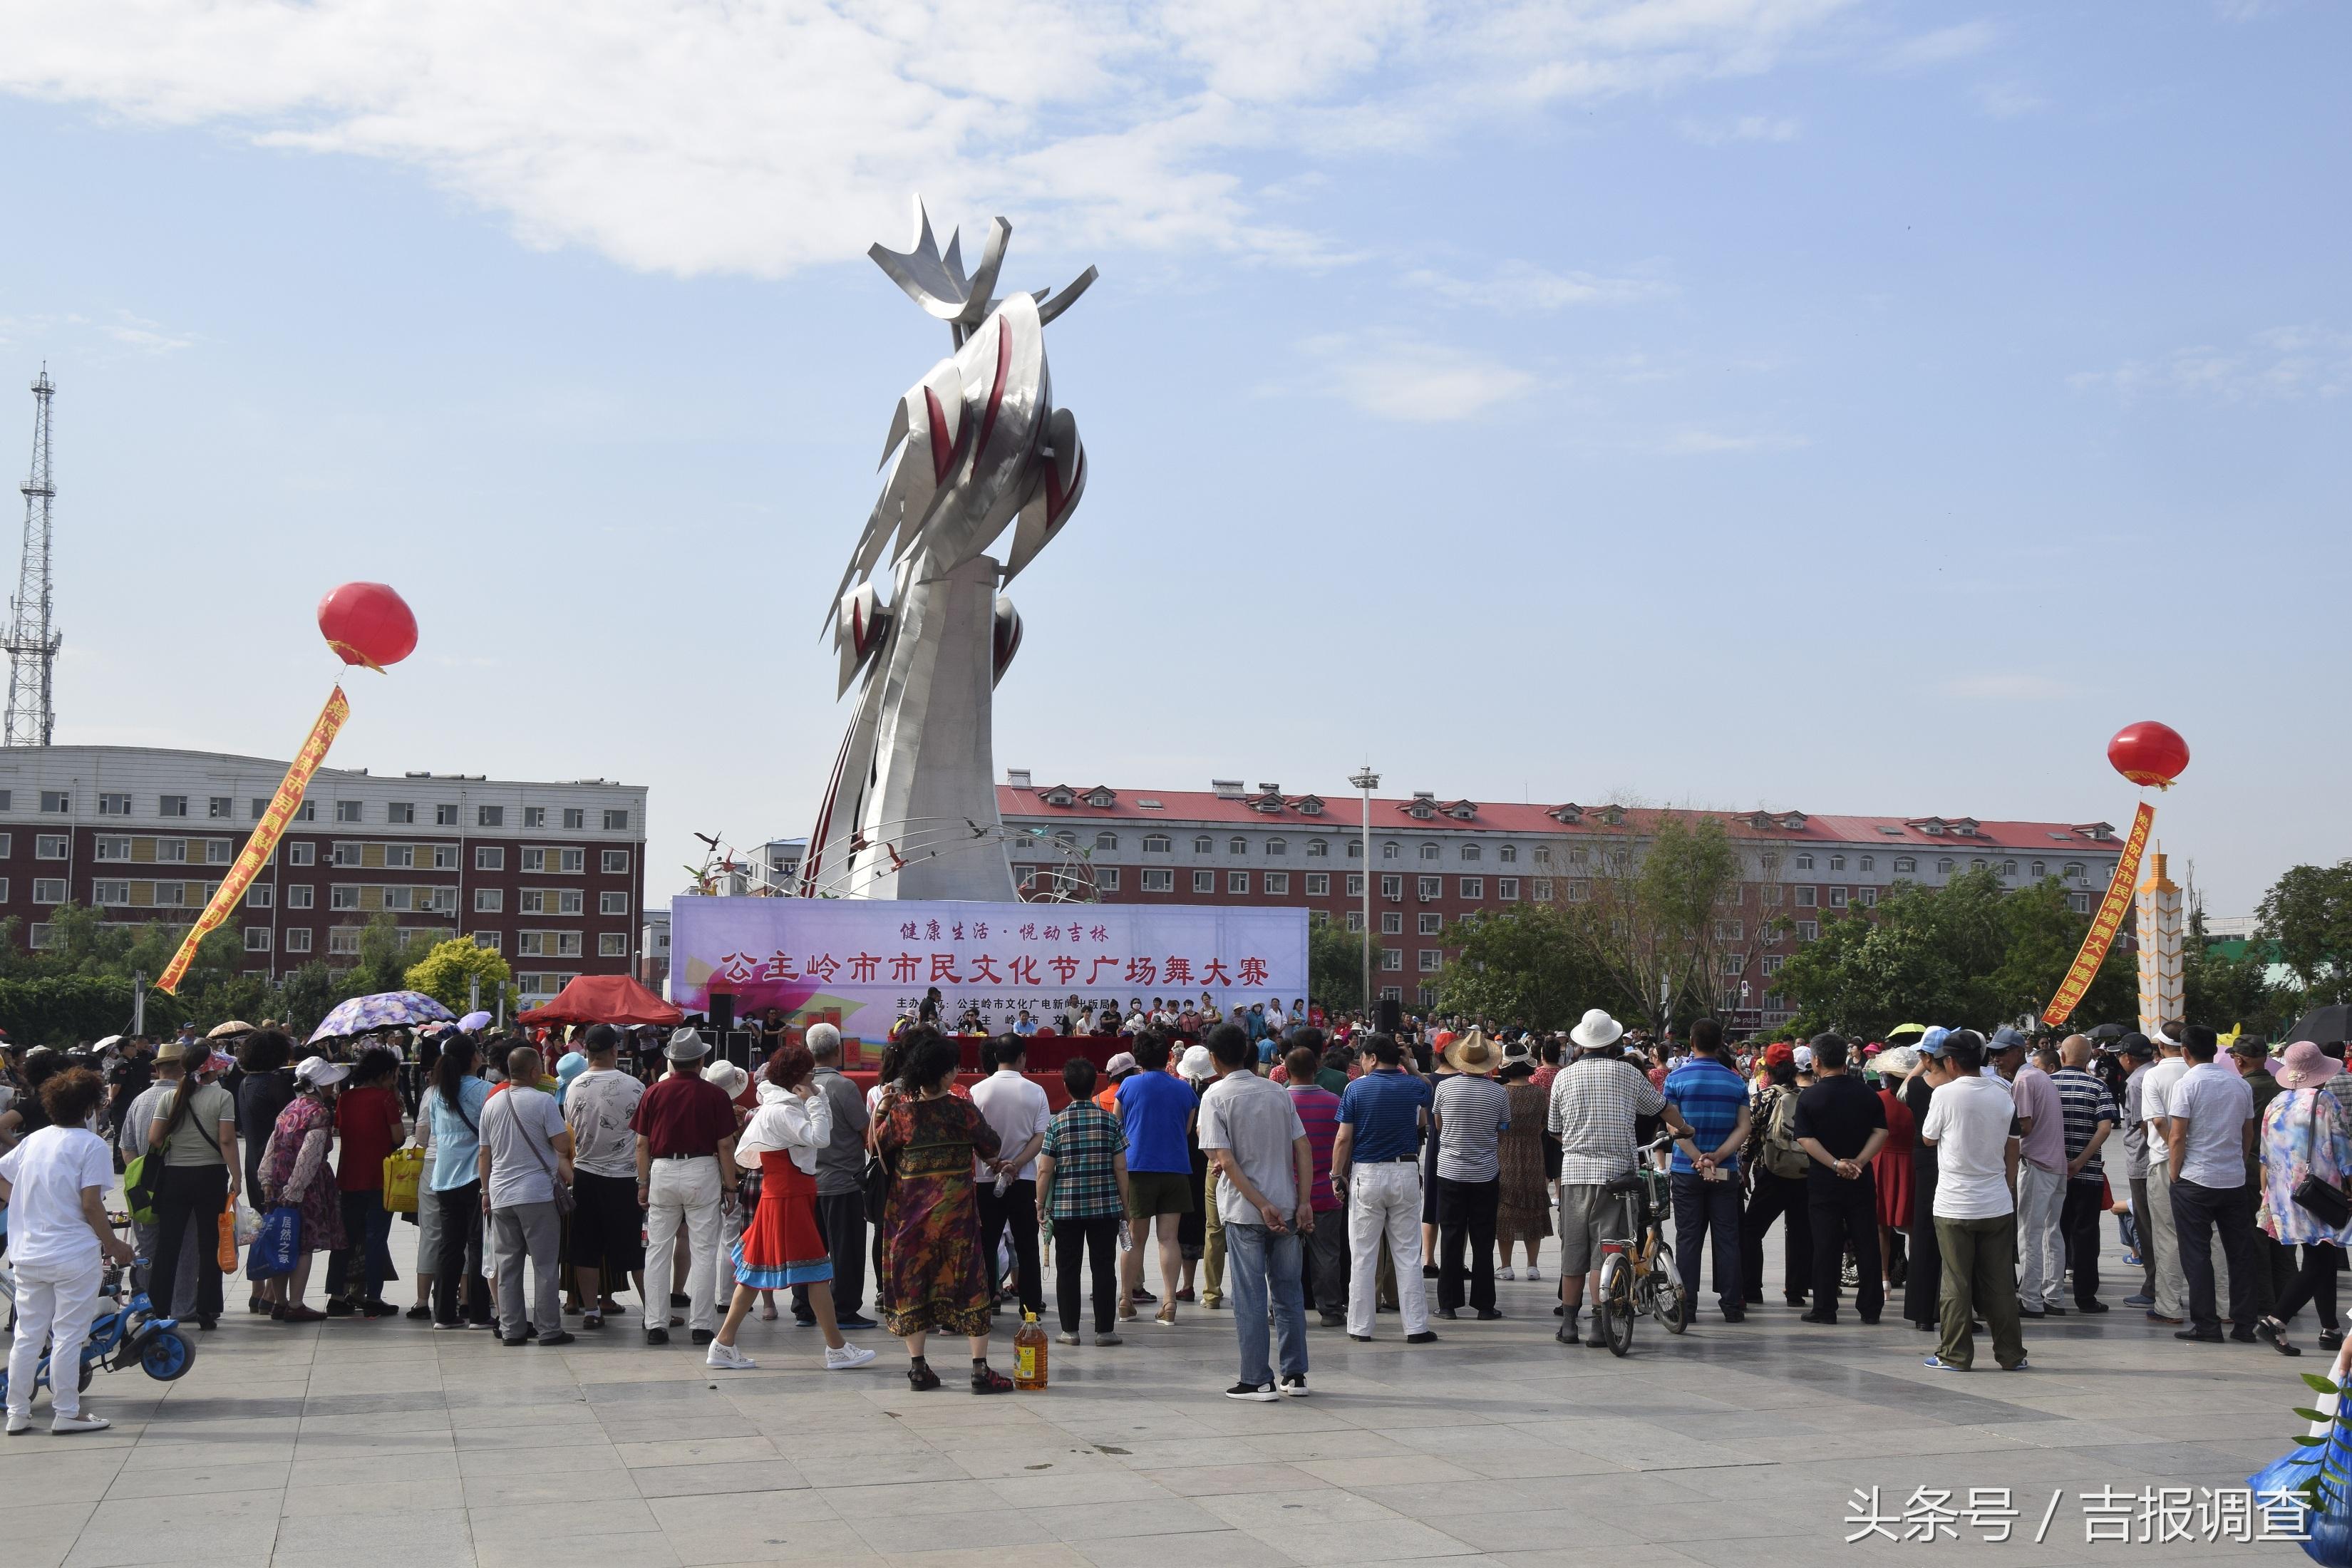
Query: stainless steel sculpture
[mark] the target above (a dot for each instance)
(910, 809)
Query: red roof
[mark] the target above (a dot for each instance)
(1392, 815)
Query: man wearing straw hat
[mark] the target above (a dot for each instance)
(1471, 1113)
(1595, 1102)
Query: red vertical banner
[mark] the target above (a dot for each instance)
(264, 840)
(2104, 923)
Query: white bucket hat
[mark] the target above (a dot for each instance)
(1597, 1029)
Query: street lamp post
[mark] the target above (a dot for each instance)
(1366, 780)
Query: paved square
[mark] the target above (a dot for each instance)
(357, 1445)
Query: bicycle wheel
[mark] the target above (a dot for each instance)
(1612, 1308)
(167, 1355)
(1666, 1292)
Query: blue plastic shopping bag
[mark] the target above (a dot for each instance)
(277, 1244)
(2329, 1462)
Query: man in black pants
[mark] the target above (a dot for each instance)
(1840, 1124)
(1017, 1108)
(840, 1185)
(1776, 1191)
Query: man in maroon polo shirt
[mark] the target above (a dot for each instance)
(685, 1161)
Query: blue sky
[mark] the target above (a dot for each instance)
(1847, 406)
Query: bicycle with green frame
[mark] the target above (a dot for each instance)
(1637, 1271)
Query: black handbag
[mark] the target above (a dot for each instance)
(2323, 1201)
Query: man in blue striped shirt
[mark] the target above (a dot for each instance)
(2089, 1116)
(1713, 1098)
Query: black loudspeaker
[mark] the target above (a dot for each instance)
(1392, 1015)
(723, 1010)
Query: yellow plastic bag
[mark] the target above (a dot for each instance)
(404, 1172)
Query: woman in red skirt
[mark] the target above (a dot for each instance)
(1892, 1169)
(782, 1246)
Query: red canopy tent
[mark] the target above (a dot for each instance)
(603, 999)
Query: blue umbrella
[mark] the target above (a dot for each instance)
(384, 1010)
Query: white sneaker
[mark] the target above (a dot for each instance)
(1531, 1272)
(1505, 1273)
(727, 1358)
(84, 1422)
(845, 1358)
(19, 1423)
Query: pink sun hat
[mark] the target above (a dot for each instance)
(2303, 1065)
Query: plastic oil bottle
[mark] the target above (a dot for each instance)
(1029, 1353)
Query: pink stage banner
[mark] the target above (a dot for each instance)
(863, 963)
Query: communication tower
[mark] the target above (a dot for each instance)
(31, 643)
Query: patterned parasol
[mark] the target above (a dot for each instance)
(384, 1010)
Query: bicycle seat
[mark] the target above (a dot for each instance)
(1622, 1184)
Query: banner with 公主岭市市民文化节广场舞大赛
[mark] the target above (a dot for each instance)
(862, 964)
(2104, 923)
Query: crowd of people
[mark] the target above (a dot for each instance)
(1274, 1168)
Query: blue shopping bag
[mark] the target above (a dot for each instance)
(277, 1244)
(2326, 1455)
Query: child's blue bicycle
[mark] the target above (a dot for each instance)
(128, 1334)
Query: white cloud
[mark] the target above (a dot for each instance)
(691, 136)
(148, 337)
(1693, 442)
(1746, 128)
(2006, 688)
(1523, 285)
(1963, 40)
(2280, 362)
(2009, 100)
(1392, 376)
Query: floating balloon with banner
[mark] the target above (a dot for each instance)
(2151, 755)
(365, 624)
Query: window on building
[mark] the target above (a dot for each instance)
(48, 890)
(1205, 845)
(1539, 889)
(1278, 845)
(1870, 898)
(1837, 897)
(1391, 850)
(617, 820)
(1356, 922)
(1429, 851)
(1318, 849)
(1236, 846)
(57, 800)
(2009, 868)
(1204, 881)
(612, 862)
(489, 940)
(2073, 870)
(1392, 885)
(490, 900)
(172, 806)
(1391, 959)
(1471, 852)
(1237, 882)
(1107, 879)
(1805, 898)
(1579, 855)
(347, 811)
(1431, 887)
(1804, 862)
(1277, 882)
(113, 805)
(1727, 931)
(1106, 840)
(401, 813)
(1906, 864)
(343, 941)
(489, 817)
(301, 898)
(1319, 884)
(445, 816)
(1355, 848)
(219, 852)
(489, 857)
(1474, 886)
(49, 846)
(1159, 881)
(1808, 929)
(1157, 844)
(534, 817)
(1432, 959)
(257, 938)
(612, 903)
(1944, 868)
(297, 941)
(1392, 922)
(1430, 922)
(2079, 902)
(2041, 869)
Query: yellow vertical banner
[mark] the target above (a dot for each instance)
(2104, 923)
(264, 840)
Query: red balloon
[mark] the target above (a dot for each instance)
(367, 623)
(2148, 753)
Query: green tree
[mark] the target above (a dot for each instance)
(2309, 912)
(1529, 966)
(446, 973)
(307, 994)
(1650, 925)
(1335, 966)
(387, 953)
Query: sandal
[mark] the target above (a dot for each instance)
(767, 1311)
(2273, 1334)
(593, 1321)
(2331, 1339)
(986, 1379)
(921, 1378)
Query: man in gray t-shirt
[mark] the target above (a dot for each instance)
(1472, 1113)
(526, 1151)
(1265, 1166)
(840, 1185)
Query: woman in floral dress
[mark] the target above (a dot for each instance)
(931, 1276)
(2304, 1134)
(294, 1171)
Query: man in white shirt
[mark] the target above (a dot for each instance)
(2171, 1291)
(608, 1227)
(1972, 1126)
(1017, 1107)
(2211, 1135)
